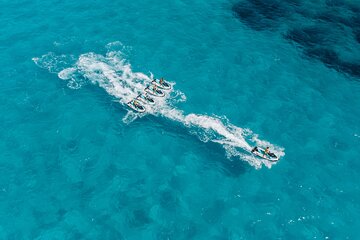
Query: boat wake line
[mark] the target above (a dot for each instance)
(114, 74)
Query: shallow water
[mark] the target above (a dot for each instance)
(77, 164)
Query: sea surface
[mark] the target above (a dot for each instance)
(77, 163)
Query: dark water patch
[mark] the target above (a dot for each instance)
(214, 213)
(334, 3)
(334, 18)
(321, 41)
(327, 56)
(354, 7)
(138, 218)
(331, 59)
(249, 16)
(317, 44)
(71, 146)
(270, 9)
(168, 200)
(87, 193)
(293, 3)
(111, 171)
(44, 217)
(351, 68)
(308, 37)
(61, 212)
(357, 35)
(122, 200)
(176, 183)
(261, 14)
(355, 21)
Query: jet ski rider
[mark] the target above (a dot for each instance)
(267, 151)
(136, 104)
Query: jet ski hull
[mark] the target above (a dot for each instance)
(261, 153)
(165, 84)
(140, 108)
(157, 93)
(146, 99)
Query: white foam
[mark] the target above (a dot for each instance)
(67, 73)
(114, 74)
(54, 63)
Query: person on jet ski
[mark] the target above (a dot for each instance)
(267, 150)
(154, 88)
(136, 103)
(161, 81)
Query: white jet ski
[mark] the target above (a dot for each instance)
(155, 92)
(164, 85)
(135, 105)
(145, 98)
(260, 152)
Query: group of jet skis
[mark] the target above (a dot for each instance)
(156, 89)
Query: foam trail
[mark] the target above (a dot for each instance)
(114, 74)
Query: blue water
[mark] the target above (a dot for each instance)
(76, 163)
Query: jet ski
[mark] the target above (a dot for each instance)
(135, 105)
(155, 92)
(163, 85)
(145, 98)
(260, 152)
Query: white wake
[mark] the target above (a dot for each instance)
(114, 74)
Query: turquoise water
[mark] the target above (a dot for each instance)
(77, 164)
